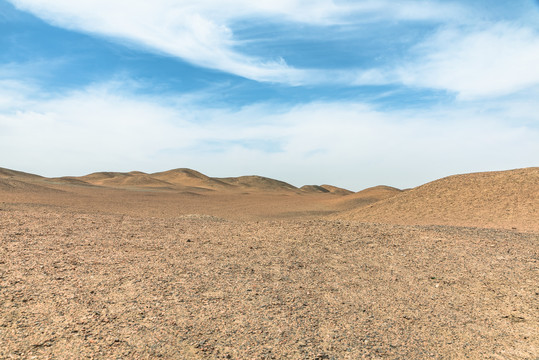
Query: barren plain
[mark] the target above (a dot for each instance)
(179, 265)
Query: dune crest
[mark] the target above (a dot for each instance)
(314, 189)
(8, 173)
(189, 178)
(501, 199)
(336, 190)
(255, 182)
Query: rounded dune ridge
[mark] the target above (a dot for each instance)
(118, 179)
(313, 189)
(501, 199)
(18, 181)
(190, 178)
(375, 193)
(255, 182)
(366, 197)
(100, 176)
(69, 180)
(325, 189)
(336, 190)
(7, 173)
(17, 185)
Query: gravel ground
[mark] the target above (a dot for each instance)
(80, 284)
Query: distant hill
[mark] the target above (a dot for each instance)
(7, 184)
(368, 196)
(503, 199)
(11, 181)
(7, 173)
(325, 189)
(177, 179)
(336, 190)
(313, 189)
(191, 178)
(254, 182)
(117, 179)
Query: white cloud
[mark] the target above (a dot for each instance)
(494, 60)
(470, 57)
(171, 27)
(199, 31)
(108, 127)
(12, 94)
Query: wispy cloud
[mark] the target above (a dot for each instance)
(195, 32)
(201, 32)
(466, 55)
(492, 60)
(485, 69)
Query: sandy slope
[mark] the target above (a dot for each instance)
(89, 284)
(336, 190)
(181, 179)
(505, 199)
(7, 173)
(367, 197)
(326, 189)
(314, 189)
(171, 203)
(123, 269)
(192, 178)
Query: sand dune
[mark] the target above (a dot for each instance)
(7, 173)
(313, 189)
(170, 194)
(15, 185)
(190, 178)
(325, 189)
(504, 199)
(68, 180)
(336, 190)
(507, 199)
(367, 197)
(254, 182)
(131, 179)
(18, 181)
(253, 268)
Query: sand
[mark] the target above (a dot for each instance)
(258, 271)
(502, 199)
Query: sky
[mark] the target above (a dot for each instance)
(350, 93)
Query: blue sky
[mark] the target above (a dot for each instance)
(350, 93)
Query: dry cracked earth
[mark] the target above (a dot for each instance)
(83, 284)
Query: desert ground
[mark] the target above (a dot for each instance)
(180, 265)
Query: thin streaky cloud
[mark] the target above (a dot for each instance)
(470, 58)
(351, 93)
(200, 33)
